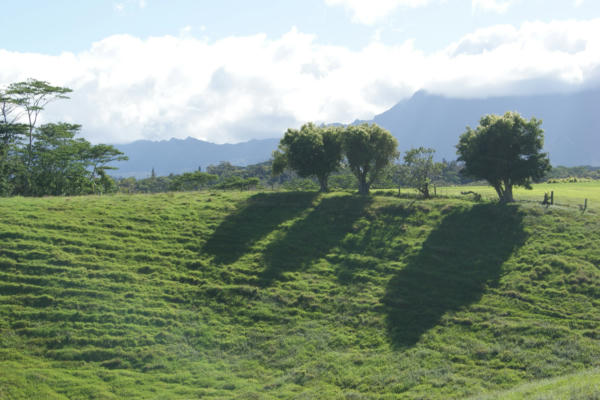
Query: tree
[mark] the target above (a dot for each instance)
(98, 158)
(311, 152)
(369, 149)
(420, 169)
(33, 95)
(58, 162)
(506, 151)
(192, 181)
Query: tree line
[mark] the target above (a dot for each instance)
(505, 150)
(47, 159)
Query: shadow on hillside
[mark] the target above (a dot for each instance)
(378, 240)
(312, 237)
(462, 256)
(255, 218)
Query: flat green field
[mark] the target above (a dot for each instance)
(296, 295)
(567, 194)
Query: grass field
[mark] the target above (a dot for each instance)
(582, 386)
(295, 296)
(567, 194)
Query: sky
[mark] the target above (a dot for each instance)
(234, 70)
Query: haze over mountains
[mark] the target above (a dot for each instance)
(571, 123)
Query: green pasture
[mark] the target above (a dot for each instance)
(566, 194)
(296, 295)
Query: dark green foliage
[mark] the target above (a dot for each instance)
(235, 182)
(369, 149)
(311, 151)
(48, 159)
(560, 172)
(506, 151)
(191, 181)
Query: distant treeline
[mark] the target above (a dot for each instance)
(230, 177)
(585, 171)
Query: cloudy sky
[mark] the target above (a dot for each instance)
(234, 70)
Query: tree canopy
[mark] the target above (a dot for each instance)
(311, 151)
(506, 151)
(368, 149)
(48, 159)
(420, 169)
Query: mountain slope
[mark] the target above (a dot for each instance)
(184, 155)
(571, 122)
(291, 295)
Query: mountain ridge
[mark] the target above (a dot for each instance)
(571, 122)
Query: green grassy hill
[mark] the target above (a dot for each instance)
(296, 296)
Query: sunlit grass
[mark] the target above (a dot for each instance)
(568, 194)
(292, 295)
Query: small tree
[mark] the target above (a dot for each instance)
(369, 149)
(505, 151)
(311, 152)
(420, 169)
(98, 158)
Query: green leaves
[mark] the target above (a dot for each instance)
(317, 152)
(311, 152)
(420, 169)
(504, 150)
(48, 159)
(368, 149)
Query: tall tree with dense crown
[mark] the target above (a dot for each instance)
(369, 149)
(506, 151)
(311, 151)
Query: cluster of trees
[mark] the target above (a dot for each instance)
(314, 151)
(506, 151)
(222, 176)
(48, 159)
(366, 150)
(573, 173)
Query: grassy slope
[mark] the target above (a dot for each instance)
(292, 295)
(581, 386)
(568, 194)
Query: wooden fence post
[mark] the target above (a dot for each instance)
(552, 198)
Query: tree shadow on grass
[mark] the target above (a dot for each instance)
(255, 218)
(314, 236)
(458, 260)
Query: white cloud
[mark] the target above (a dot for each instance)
(126, 4)
(497, 6)
(238, 88)
(369, 12)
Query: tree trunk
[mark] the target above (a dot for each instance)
(500, 192)
(508, 193)
(323, 183)
(425, 191)
(363, 186)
